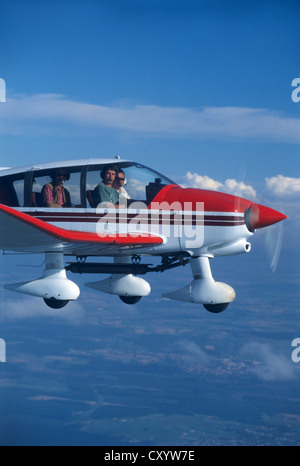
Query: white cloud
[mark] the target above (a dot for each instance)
(193, 180)
(239, 188)
(284, 186)
(28, 307)
(190, 356)
(230, 186)
(267, 364)
(47, 112)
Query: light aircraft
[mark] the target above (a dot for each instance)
(160, 218)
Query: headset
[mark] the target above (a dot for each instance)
(53, 173)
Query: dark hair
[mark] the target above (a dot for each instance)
(108, 167)
(52, 174)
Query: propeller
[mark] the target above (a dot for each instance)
(268, 226)
(269, 223)
(271, 239)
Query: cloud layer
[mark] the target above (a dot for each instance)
(281, 187)
(284, 186)
(268, 365)
(14, 309)
(44, 112)
(230, 186)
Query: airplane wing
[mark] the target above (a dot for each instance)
(22, 232)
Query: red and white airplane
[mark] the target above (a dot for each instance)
(156, 218)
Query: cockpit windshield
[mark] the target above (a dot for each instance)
(144, 183)
(141, 183)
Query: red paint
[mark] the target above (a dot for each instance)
(260, 216)
(256, 216)
(214, 201)
(78, 236)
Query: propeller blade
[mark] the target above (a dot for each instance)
(272, 242)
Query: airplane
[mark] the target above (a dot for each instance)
(157, 218)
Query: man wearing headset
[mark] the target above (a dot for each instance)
(105, 192)
(54, 193)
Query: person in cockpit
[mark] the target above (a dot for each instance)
(119, 184)
(105, 192)
(54, 193)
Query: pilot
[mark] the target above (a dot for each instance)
(119, 184)
(54, 193)
(105, 192)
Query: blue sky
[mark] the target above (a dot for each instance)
(194, 86)
(180, 83)
(201, 91)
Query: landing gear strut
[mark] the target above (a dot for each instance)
(215, 296)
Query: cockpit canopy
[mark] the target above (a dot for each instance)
(24, 188)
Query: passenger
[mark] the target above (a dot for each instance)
(105, 192)
(54, 193)
(119, 184)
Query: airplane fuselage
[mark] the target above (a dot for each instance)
(51, 209)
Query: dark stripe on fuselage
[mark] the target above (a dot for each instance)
(150, 218)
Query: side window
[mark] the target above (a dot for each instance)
(141, 183)
(37, 186)
(19, 189)
(72, 185)
(92, 180)
(12, 191)
(136, 181)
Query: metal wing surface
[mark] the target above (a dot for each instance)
(24, 233)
